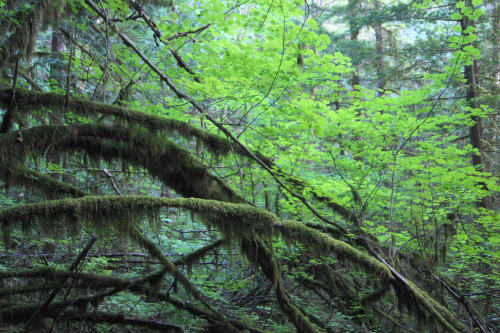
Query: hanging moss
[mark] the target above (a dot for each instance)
(28, 100)
(176, 168)
(22, 37)
(439, 312)
(31, 179)
(119, 211)
(240, 219)
(324, 243)
(161, 157)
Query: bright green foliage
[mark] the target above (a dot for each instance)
(321, 153)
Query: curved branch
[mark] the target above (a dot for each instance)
(256, 157)
(20, 175)
(27, 100)
(238, 219)
(162, 158)
(214, 143)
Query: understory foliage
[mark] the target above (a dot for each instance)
(236, 166)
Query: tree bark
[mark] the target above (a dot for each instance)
(475, 131)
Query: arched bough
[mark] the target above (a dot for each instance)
(189, 178)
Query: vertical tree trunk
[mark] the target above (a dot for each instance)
(57, 68)
(492, 135)
(476, 131)
(379, 52)
(471, 77)
(353, 32)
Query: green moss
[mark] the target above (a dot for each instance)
(27, 100)
(22, 38)
(119, 211)
(176, 168)
(439, 312)
(162, 158)
(324, 243)
(239, 219)
(31, 179)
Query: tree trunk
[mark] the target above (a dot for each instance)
(476, 131)
(379, 52)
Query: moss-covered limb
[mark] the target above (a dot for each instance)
(249, 218)
(325, 228)
(241, 219)
(118, 318)
(20, 175)
(418, 299)
(461, 299)
(121, 209)
(408, 289)
(27, 100)
(439, 312)
(263, 258)
(162, 158)
(214, 143)
(242, 148)
(324, 243)
(180, 172)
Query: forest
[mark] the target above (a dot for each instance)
(249, 166)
